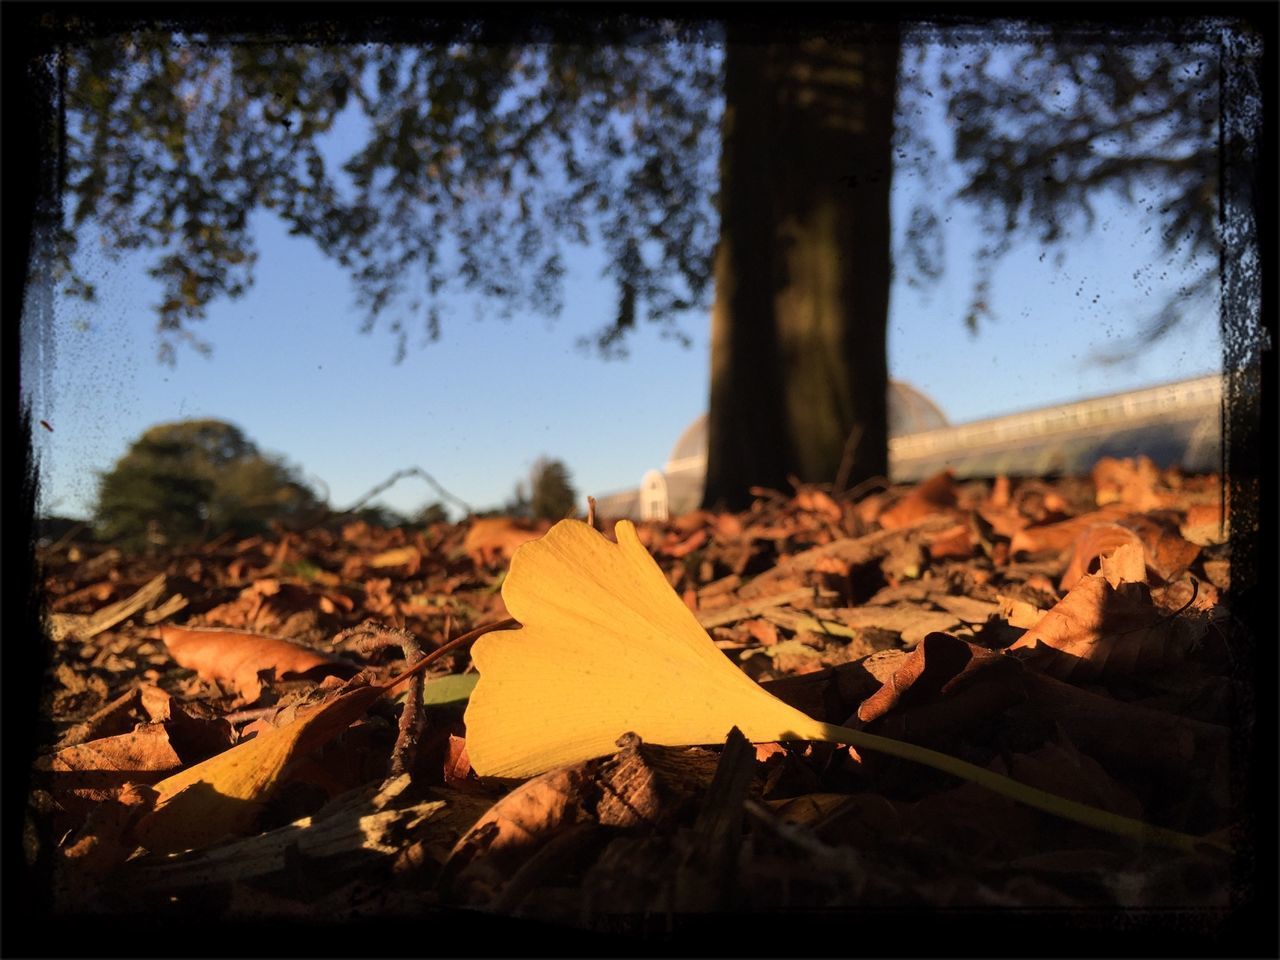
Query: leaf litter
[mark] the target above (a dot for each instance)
(1044, 640)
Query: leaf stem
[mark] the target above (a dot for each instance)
(1031, 796)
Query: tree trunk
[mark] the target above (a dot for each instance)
(798, 368)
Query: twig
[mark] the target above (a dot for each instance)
(456, 643)
(66, 538)
(370, 636)
(400, 475)
(846, 459)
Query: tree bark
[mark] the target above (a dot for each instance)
(798, 365)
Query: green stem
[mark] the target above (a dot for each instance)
(1031, 796)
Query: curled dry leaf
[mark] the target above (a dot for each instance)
(1205, 524)
(1168, 554)
(1129, 481)
(527, 814)
(1103, 627)
(1125, 564)
(1094, 541)
(935, 495)
(1056, 537)
(491, 540)
(82, 776)
(956, 542)
(941, 689)
(410, 558)
(815, 501)
(234, 659)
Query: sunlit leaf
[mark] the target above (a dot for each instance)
(606, 647)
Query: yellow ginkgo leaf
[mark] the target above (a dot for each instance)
(610, 649)
(606, 648)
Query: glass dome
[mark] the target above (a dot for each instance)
(910, 411)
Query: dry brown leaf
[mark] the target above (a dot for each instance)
(808, 809)
(234, 659)
(676, 548)
(1205, 524)
(934, 495)
(1093, 542)
(492, 540)
(1060, 768)
(1130, 481)
(270, 605)
(1055, 537)
(407, 557)
(1168, 554)
(1125, 564)
(527, 815)
(762, 631)
(85, 775)
(939, 665)
(953, 543)
(1019, 613)
(1000, 490)
(815, 501)
(1098, 628)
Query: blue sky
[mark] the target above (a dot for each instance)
(477, 407)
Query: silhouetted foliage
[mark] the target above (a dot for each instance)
(481, 160)
(193, 479)
(1050, 120)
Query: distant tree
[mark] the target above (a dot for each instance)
(745, 169)
(551, 493)
(195, 478)
(517, 505)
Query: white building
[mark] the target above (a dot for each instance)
(677, 487)
(1173, 423)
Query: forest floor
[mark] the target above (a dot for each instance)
(1069, 634)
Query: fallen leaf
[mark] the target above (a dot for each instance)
(1205, 524)
(1019, 613)
(1125, 564)
(85, 775)
(607, 641)
(606, 647)
(234, 659)
(1055, 537)
(1130, 481)
(682, 548)
(809, 809)
(939, 665)
(517, 824)
(224, 794)
(1100, 627)
(1094, 541)
(934, 495)
(452, 689)
(1168, 554)
(816, 501)
(492, 540)
(953, 543)
(407, 557)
